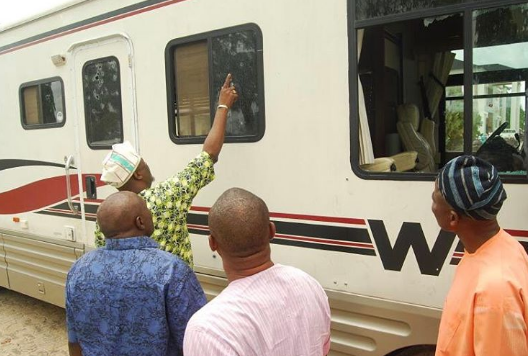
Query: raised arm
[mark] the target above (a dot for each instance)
(215, 139)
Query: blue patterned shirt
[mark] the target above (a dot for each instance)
(130, 298)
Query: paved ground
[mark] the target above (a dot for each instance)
(29, 327)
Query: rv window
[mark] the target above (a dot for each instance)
(500, 72)
(415, 98)
(102, 103)
(42, 104)
(401, 106)
(197, 70)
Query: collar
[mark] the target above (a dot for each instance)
(131, 243)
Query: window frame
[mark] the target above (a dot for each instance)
(354, 25)
(514, 75)
(213, 92)
(122, 137)
(22, 104)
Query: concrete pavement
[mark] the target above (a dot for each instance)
(29, 327)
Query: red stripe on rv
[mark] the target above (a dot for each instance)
(517, 233)
(351, 221)
(325, 241)
(41, 193)
(319, 218)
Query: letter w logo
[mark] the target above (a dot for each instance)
(411, 234)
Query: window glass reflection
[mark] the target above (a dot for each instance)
(500, 67)
(43, 104)
(102, 103)
(237, 53)
(367, 9)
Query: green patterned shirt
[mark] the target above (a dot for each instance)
(169, 202)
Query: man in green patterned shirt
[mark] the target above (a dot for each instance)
(170, 200)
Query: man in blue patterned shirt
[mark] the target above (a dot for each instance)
(129, 298)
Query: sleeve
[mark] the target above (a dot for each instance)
(178, 192)
(184, 298)
(198, 173)
(327, 320)
(199, 343)
(499, 326)
(326, 347)
(99, 237)
(72, 335)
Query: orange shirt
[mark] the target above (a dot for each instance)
(486, 310)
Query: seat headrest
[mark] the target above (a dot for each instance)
(409, 113)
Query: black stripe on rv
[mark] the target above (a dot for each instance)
(14, 163)
(198, 232)
(318, 246)
(336, 233)
(298, 229)
(197, 219)
(88, 208)
(339, 233)
(64, 215)
(525, 245)
(460, 248)
(82, 23)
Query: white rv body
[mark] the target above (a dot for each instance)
(300, 167)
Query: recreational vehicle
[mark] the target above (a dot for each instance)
(347, 110)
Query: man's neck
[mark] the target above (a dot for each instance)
(476, 233)
(128, 234)
(132, 186)
(242, 267)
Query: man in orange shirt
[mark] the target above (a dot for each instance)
(486, 310)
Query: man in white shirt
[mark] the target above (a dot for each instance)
(267, 308)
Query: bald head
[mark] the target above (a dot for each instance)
(124, 214)
(239, 221)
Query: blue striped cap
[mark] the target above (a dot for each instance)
(472, 186)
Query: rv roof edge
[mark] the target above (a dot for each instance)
(31, 18)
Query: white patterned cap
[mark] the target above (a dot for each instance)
(120, 164)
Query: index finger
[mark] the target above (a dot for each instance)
(227, 82)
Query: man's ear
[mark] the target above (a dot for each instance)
(454, 219)
(139, 223)
(272, 230)
(213, 244)
(137, 175)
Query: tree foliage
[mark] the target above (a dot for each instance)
(455, 131)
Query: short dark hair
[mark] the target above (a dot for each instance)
(117, 213)
(239, 221)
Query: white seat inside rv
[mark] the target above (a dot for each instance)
(408, 126)
(401, 162)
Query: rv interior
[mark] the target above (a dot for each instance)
(411, 92)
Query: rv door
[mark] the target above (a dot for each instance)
(103, 75)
